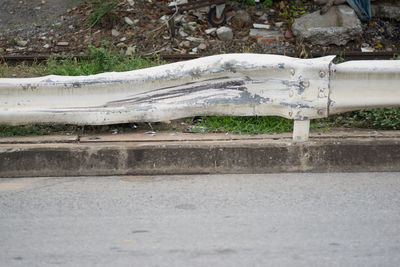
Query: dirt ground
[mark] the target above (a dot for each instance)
(32, 27)
(32, 13)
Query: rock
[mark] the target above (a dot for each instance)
(195, 39)
(136, 21)
(131, 2)
(241, 19)
(115, 33)
(46, 46)
(9, 50)
(128, 21)
(192, 25)
(225, 33)
(259, 13)
(21, 42)
(279, 24)
(367, 49)
(202, 46)
(63, 44)
(176, 2)
(288, 34)
(1, 50)
(263, 17)
(338, 26)
(168, 48)
(164, 18)
(199, 15)
(186, 44)
(179, 18)
(182, 33)
(194, 50)
(130, 50)
(123, 39)
(261, 26)
(385, 11)
(120, 45)
(265, 36)
(210, 31)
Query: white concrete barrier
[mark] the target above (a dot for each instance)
(230, 84)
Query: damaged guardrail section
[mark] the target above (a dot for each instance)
(230, 84)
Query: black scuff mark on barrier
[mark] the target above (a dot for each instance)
(281, 65)
(230, 66)
(229, 85)
(188, 83)
(76, 85)
(294, 84)
(85, 83)
(247, 97)
(28, 86)
(238, 86)
(294, 105)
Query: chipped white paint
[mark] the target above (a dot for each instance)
(231, 84)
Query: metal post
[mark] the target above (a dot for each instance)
(301, 130)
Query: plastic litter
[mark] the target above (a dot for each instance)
(362, 8)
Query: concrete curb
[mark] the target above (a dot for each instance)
(271, 155)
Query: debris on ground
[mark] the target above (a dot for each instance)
(141, 27)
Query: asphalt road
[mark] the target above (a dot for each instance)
(216, 220)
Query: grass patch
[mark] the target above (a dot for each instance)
(21, 70)
(99, 60)
(379, 119)
(246, 125)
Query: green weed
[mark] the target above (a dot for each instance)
(246, 125)
(292, 11)
(101, 9)
(266, 4)
(380, 119)
(247, 2)
(99, 60)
